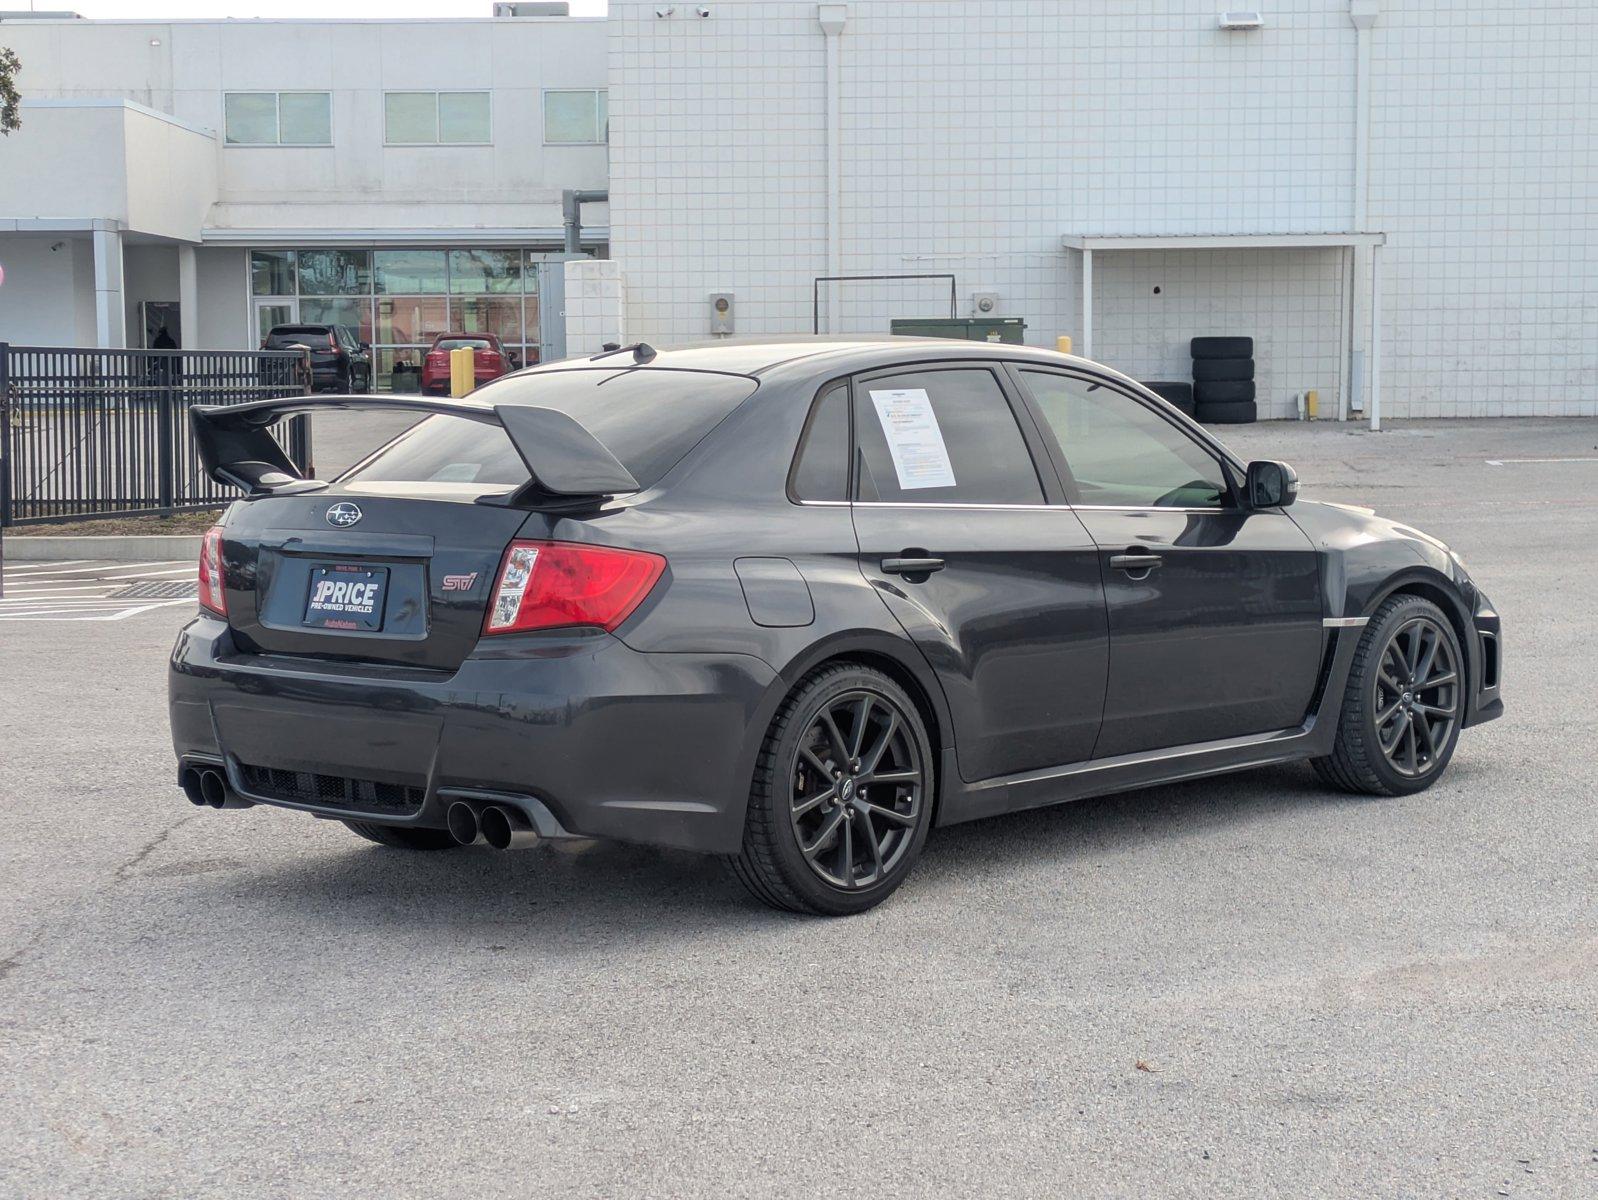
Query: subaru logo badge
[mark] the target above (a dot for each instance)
(343, 515)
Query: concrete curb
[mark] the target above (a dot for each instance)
(132, 548)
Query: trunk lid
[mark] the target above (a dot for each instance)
(406, 582)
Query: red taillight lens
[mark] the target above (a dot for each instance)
(212, 596)
(546, 585)
(437, 358)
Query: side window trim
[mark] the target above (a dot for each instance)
(1020, 411)
(1017, 370)
(823, 393)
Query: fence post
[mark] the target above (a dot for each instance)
(166, 464)
(300, 428)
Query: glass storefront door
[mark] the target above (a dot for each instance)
(274, 310)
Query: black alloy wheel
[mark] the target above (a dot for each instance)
(1417, 696)
(855, 791)
(1403, 705)
(842, 795)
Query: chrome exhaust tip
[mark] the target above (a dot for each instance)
(505, 829)
(462, 822)
(213, 789)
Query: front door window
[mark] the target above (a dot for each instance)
(1123, 454)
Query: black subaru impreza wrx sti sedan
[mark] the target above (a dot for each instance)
(794, 603)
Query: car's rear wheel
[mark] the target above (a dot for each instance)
(402, 838)
(1403, 704)
(842, 795)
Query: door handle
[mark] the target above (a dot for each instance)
(912, 566)
(1138, 565)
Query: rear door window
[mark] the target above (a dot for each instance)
(940, 436)
(648, 419)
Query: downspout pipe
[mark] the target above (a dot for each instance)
(833, 18)
(571, 210)
(1363, 15)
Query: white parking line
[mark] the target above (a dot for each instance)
(1500, 462)
(109, 569)
(48, 566)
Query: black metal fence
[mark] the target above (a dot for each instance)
(87, 433)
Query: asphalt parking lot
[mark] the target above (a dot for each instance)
(1243, 986)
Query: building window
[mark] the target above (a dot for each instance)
(576, 118)
(436, 119)
(278, 118)
(398, 300)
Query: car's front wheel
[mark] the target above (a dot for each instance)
(842, 795)
(1403, 703)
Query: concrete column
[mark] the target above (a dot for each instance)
(188, 299)
(833, 18)
(110, 318)
(1376, 340)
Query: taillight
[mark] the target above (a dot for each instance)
(212, 596)
(437, 358)
(547, 585)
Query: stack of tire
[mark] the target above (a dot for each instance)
(1223, 380)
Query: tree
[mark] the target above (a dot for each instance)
(10, 101)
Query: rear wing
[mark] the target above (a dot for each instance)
(237, 447)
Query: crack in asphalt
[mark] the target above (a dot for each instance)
(150, 847)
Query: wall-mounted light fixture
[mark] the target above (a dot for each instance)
(1243, 18)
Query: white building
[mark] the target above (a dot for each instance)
(1216, 180)
(400, 177)
(1406, 182)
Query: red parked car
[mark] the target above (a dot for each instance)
(488, 360)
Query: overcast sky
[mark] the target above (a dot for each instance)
(158, 9)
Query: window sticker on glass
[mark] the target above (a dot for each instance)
(920, 458)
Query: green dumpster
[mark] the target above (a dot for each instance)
(971, 329)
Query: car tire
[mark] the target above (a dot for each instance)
(1227, 391)
(1373, 753)
(1222, 370)
(403, 838)
(1222, 347)
(842, 825)
(1244, 412)
(1177, 394)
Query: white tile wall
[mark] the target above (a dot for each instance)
(1484, 170)
(975, 134)
(593, 305)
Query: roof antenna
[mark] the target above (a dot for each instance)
(642, 352)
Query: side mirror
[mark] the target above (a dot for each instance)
(1271, 484)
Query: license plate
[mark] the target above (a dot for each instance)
(346, 597)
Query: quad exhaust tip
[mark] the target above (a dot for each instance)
(463, 825)
(501, 827)
(207, 788)
(506, 829)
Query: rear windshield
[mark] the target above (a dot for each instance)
(316, 339)
(463, 344)
(647, 419)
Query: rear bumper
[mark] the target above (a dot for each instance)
(653, 748)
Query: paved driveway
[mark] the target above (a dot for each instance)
(1244, 986)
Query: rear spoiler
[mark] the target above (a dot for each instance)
(237, 447)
